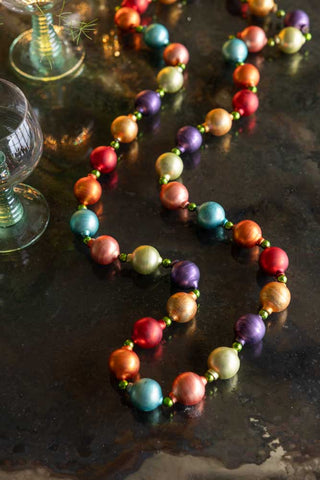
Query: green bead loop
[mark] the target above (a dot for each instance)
(281, 13)
(82, 207)
(192, 207)
(128, 343)
(209, 377)
(196, 292)
(265, 244)
(236, 115)
(167, 321)
(115, 144)
(167, 402)
(123, 384)
(212, 375)
(239, 64)
(123, 257)
(96, 173)
(253, 89)
(137, 114)
(228, 225)
(176, 151)
(308, 36)
(166, 262)
(237, 346)
(163, 180)
(282, 278)
(86, 240)
(201, 129)
(263, 314)
(271, 42)
(140, 28)
(161, 92)
(117, 8)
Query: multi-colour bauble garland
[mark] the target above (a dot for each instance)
(223, 362)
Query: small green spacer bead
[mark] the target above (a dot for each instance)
(209, 377)
(271, 42)
(183, 66)
(201, 129)
(281, 13)
(236, 115)
(230, 37)
(163, 180)
(282, 278)
(96, 173)
(228, 225)
(138, 115)
(166, 262)
(212, 374)
(237, 346)
(128, 343)
(123, 384)
(82, 207)
(167, 402)
(167, 321)
(239, 64)
(196, 292)
(308, 36)
(192, 207)
(86, 240)
(263, 314)
(139, 28)
(123, 257)
(161, 92)
(265, 244)
(176, 151)
(115, 144)
(117, 8)
(253, 89)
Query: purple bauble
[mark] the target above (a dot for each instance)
(185, 274)
(189, 139)
(148, 102)
(249, 328)
(298, 19)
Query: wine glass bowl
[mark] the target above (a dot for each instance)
(24, 212)
(45, 52)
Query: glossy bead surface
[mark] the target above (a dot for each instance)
(139, 5)
(189, 139)
(250, 328)
(185, 274)
(145, 259)
(298, 19)
(174, 195)
(290, 40)
(127, 18)
(261, 8)
(104, 250)
(245, 102)
(170, 165)
(146, 394)
(87, 190)
(147, 332)
(211, 215)
(182, 307)
(188, 388)
(254, 37)
(147, 102)
(275, 297)
(124, 363)
(224, 361)
(175, 54)
(247, 234)
(84, 222)
(219, 121)
(124, 129)
(156, 35)
(103, 159)
(246, 75)
(235, 50)
(170, 79)
(274, 261)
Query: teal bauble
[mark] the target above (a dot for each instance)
(211, 215)
(84, 222)
(156, 35)
(146, 394)
(235, 50)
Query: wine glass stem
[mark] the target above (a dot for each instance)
(45, 43)
(11, 209)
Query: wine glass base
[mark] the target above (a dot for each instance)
(48, 69)
(33, 223)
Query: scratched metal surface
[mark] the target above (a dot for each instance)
(61, 315)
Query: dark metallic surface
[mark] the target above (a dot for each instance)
(62, 315)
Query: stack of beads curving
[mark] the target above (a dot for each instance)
(223, 362)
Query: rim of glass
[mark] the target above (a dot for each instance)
(18, 91)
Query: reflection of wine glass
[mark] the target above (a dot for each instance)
(24, 212)
(43, 53)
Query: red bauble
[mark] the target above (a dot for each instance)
(274, 261)
(245, 102)
(103, 159)
(147, 332)
(174, 195)
(188, 388)
(139, 5)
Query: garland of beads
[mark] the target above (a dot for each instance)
(223, 362)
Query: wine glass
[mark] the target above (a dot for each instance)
(43, 53)
(24, 213)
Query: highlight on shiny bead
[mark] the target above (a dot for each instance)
(182, 307)
(275, 297)
(127, 18)
(145, 259)
(218, 121)
(87, 190)
(185, 274)
(175, 54)
(235, 50)
(174, 195)
(147, 332)
(254, 37)
(246, 75)
(124, 363)
(104, 159)
(247, 234)
(84, 222)
(170, 79)
(245, 102)
(211, 215)
(225, 361)
(146, 394)
(274, 261)
(104, 249)
(188, 388)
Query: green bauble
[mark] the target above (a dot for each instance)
(169, 165)
(290, 40)
(170, 79)
(224, 361)
(145, 259)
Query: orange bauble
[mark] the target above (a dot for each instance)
(124, 363)
(275, 297)
(261, 8)
(124, 129)
(87, 190)
(247, 234)
(246, 75)
(127, 18)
